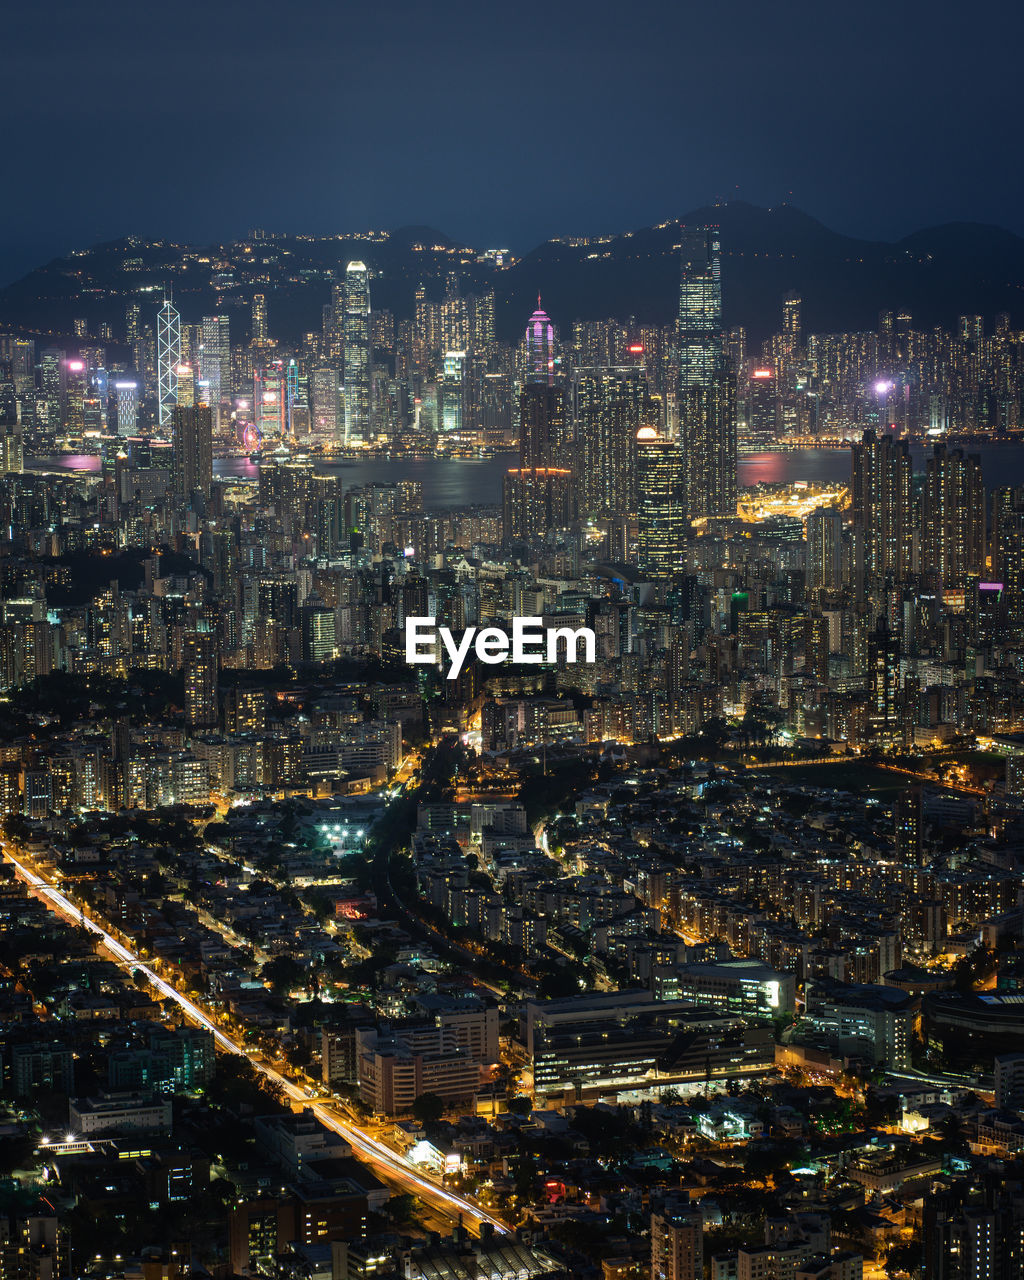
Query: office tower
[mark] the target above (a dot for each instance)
(883, 513)
(536, 500)
(707, 399)
(215, 359)
(663, 526)
(260, 333)
(199, 661)
(192, 441)
(270, 401)
(75, 390)
(127, 406)
(52, 388)
(824, 550)
(20, 354)
(168, 357)
(677, 1244)
(883, 684)
(953, 517)
(186, 376)
(452, 391)
(699, 325)
(540, 348)
(609, 406)
(325, 404)
(762, 417)
(358, 429)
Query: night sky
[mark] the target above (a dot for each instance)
(502, 125)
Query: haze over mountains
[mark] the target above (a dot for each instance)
(936, 274)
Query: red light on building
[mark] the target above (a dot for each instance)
(762, 373)
(636, 349)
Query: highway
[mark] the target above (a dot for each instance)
(390, 1164)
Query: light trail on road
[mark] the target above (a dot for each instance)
(373, 1151)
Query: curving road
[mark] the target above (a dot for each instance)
(393, 1166)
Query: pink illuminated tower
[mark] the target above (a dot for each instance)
(540, 348)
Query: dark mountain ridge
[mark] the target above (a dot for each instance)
(936, 274)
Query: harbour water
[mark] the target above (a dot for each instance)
(462, 482)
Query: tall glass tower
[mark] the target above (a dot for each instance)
(168, 357)
(700, 306)
(540, 348)
(215, 358)
(707, 395)
(357, 353)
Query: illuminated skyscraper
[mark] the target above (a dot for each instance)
(540, 348)
(52, 388)
(186, 385)
(883, 513)
(270, 393)
(707, 401)
(260, 333)
(541, 424)
(215, 359)
(953, 517)
(200, 669)
(762, 417)
(76, 384)
(536, 500)
(699, 327)
(824, 550)
(168, 357)
(663, 526)
(609, 406)
(1007, 548)
(357, 353)
(325, 403)
(192, 440)
(127, 407)
(883, 684)
(452, 391)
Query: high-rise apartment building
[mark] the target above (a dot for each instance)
(677, 1243)
(953, 517)
(542, 426)
(883, 511)
(609, 406)
(199, 660)
(662, 519)
(824, 550)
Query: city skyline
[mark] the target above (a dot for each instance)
(512, 758)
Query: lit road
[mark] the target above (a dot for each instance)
(393, 1166)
